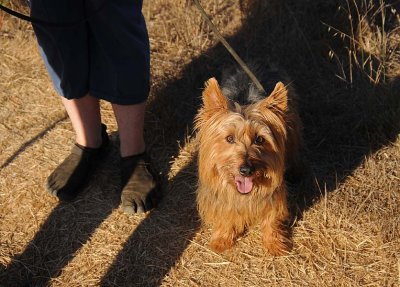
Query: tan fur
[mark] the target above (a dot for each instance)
(220, 204)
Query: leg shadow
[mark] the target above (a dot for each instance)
(65, 231)
(30, 142)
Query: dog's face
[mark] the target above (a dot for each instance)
(243, 146)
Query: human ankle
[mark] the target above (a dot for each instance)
(132, 150)
(92, 143)
(95, 140)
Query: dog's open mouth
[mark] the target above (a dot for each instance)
(244, 184)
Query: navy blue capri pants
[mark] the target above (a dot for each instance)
(107, 56)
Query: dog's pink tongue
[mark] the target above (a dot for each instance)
(244, 184)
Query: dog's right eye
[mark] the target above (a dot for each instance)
(259, 140)
(230, 139)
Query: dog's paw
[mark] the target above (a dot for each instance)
(278, 244)
(221, 244)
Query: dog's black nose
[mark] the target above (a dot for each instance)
(246, 170)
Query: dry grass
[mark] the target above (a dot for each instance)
(344, 59)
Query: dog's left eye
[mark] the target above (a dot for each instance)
(259, 140)
(230, 139)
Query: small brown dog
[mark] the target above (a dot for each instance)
(246, 144)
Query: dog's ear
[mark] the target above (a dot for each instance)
(278, 99)
(213, 97)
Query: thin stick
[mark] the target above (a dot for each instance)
(229, 48)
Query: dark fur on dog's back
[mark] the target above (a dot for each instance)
(237, 86)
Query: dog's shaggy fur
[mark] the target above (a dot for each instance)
(246, 143)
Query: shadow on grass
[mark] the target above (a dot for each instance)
(160, 239)
(28, 143)
(67, 228)
(342, 124)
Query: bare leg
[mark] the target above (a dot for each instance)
(86, 121)
(130, 119)
(139, 188)
(67, 180)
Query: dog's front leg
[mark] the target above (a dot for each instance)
(275, 232)
(223, 237)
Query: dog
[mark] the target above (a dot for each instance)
(247, 142)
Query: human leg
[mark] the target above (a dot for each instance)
(84, 114)
(121, 54)
(130, 120)
(107, 57)
(139, 187)
(65, 52)
(67, 180)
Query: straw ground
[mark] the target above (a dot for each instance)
(343, 57)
